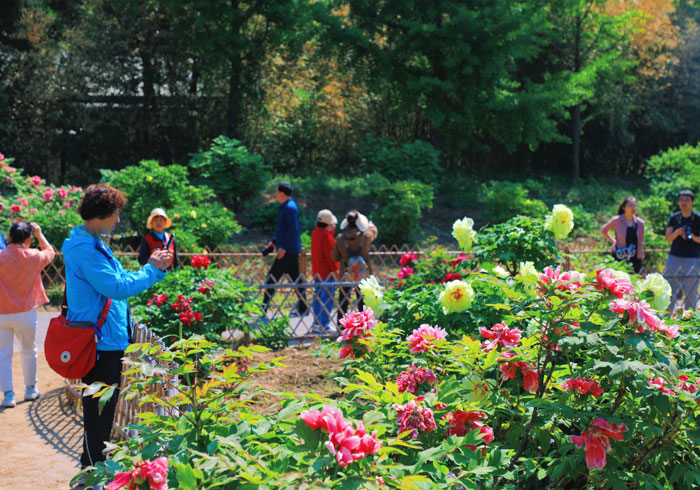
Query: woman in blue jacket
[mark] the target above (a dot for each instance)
(92, 276)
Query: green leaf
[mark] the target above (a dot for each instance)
(185, 477)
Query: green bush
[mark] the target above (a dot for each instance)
(196, 220)
(502, 200)
(674, 170)
(227, 167)
(402, 208)
(655, 210)
(411, 161)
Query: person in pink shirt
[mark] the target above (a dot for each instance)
(628, 242)
(21, 291)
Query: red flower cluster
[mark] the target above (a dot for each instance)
(409, 380)
(660, 384)
(206, 287)
(356, 325)
(62, 193)
(583, 386)
(510, 369)
(618, 287)
(462, 422)
(200, 262)
(405, 272)
(500, 333)
(690, 388)
(184, 307)
(23, 201)
(344, 442)
(154, 473)
(414, 418)
(35, 181)
(408, 259)
(597, 441)
(553, 278)
(15, 209)
(48, 194)
(158, 299)
(451, 276)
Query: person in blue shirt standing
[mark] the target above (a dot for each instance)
(92, 276)
(287, 242)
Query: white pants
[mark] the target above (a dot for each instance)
(23, 325)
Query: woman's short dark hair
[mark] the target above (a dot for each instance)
(625, 202)
(101, 201)
(20, 231)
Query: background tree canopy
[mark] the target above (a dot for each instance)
(575, 87)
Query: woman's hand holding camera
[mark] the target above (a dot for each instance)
(161, 259)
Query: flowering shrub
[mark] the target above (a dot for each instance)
(197, 301)
(548, 379)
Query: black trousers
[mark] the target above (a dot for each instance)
(98, 427)
(289, 264)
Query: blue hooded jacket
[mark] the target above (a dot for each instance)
(92, 276)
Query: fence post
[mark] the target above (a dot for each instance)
(303, 262)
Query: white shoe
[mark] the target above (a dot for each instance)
(31, 394)
(9, 400)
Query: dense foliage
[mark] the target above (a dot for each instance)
(310, 86)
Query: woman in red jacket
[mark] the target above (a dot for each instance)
(324, 270)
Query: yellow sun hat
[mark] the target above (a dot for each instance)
(158, 212)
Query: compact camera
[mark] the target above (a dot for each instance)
(688, 233)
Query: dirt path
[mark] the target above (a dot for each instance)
(40, 440)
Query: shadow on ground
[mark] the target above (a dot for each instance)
(57, 422)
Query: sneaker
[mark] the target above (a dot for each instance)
(9, 400)
(31, 394)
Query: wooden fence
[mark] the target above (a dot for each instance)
(127, 410)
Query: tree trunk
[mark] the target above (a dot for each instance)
(233, 112)
(576, 123)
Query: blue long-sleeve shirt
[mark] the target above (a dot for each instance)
(287, 232)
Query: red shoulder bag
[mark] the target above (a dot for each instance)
(71, 347)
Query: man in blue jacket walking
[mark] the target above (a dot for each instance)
(287, 242)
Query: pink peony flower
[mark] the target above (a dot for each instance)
(10, 170)
(61, 211)
(23, 201)
(500, 333)
(2, 157)
(356, 325)
(409, 380)
(48, 194)
(153, 473)
(33, 211)
(405, 272)
(639, 312)
(35, 181)
(555, 279)
(422, 338)
(10, 181)
(200, 262)
(67, 204)
(458, 260)
(597, 441)
(583, 386)
(414, 418)
(15, 209)
(344, 442)
(62, 193)
(660, 384)
(618, 287)
(671, 331)
(408, 259)
(73, 188)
